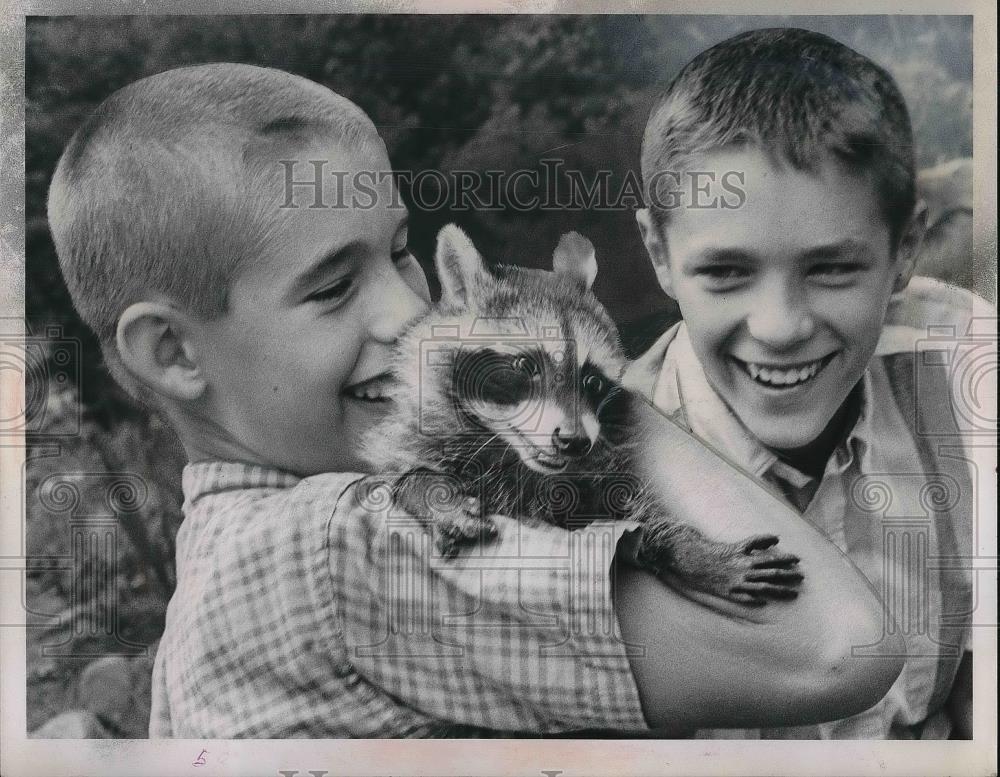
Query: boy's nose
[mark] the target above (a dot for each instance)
(779, 321)
(396, 305)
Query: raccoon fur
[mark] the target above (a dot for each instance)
(508, 402)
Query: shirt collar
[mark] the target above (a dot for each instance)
(204, 478)
(643, 372)
(681, 389)
(858, 443)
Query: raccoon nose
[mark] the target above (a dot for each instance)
(570, 445)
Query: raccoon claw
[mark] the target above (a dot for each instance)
(452, 534)
(776, 561)
(758, 542)
(777, 578)
(789, 575)
(480, 527)
(757, 547)
(757, 594)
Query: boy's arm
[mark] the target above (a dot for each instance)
(782, 664)
(520, 632)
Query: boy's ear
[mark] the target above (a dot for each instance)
(656, 247)
(575, 259)
(153, 345)
(458, 263)
(911, 239)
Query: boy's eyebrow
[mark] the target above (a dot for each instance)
(840, 248)
(845, 247)
(724, 254)
(319, 269)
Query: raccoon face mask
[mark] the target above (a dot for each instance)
(538, 360)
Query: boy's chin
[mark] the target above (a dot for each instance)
(786, 434)
(788, 442)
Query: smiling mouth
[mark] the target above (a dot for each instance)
(784, 377)
(375, 390)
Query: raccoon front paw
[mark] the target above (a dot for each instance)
(438, 501)
(749, 572)
(463, 527)
(760, 573)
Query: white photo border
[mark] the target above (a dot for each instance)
(566, 758)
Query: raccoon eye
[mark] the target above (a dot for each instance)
(526, 365)
(594, 384)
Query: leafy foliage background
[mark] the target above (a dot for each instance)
(447, 92)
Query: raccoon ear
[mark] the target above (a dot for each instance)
(575, 259)
(458, 263)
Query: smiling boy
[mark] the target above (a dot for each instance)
(778, 362)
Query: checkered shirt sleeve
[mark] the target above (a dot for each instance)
(518, 634)
(301, 611)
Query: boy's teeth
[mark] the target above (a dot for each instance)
(371, 391)
(777, 377)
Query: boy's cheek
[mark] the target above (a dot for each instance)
(711, 324)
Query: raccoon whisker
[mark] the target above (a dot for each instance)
(478, 450)
(605, 439)
(494, 470)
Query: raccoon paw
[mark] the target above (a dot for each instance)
(762, 573)
(461, 529)
(749, 572)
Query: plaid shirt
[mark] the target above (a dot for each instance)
(302, 610)
(896, 497)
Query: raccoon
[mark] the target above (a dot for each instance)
(509, 402)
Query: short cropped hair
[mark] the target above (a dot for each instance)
(796, 95)
(155, 193)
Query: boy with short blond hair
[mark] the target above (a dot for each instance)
(797, 356)
(262, 326)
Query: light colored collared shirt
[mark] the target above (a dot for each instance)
(896, 496)
(303, 610)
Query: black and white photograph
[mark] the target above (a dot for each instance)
(591, 389)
